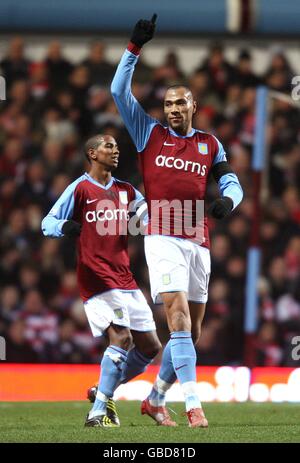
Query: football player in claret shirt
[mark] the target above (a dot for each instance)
(175, 161)
(114, 305)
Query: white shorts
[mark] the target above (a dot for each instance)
(177, 264)
(124, 308)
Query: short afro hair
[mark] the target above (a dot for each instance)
(92, 143)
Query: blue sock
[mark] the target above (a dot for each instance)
(135, 365)
(166, 372)
(111, 370)
(183, 356)
(184, 361)
(166, 377)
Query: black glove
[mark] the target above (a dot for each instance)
(71, 228)
(143, 31)
(221, 207)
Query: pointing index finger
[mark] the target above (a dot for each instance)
(153, 19)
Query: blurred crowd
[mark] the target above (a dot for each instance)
(52, 106)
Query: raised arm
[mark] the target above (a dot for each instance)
(138, 123)
(229, 186)
(58, 221)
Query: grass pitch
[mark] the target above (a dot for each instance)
(229, 422)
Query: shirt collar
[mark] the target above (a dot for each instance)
(190, 134)
(104, 187)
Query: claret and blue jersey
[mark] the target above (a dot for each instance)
(102, 260)
(174, 167)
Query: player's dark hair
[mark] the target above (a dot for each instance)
(176, 86)
(92, 143)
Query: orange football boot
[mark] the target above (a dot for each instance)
(158, 414)
(197, 418)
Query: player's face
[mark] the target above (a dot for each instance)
(179, 108)
(107, 153)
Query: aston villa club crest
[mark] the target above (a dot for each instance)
(203, 148)
(123, 197)
(118, 313)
